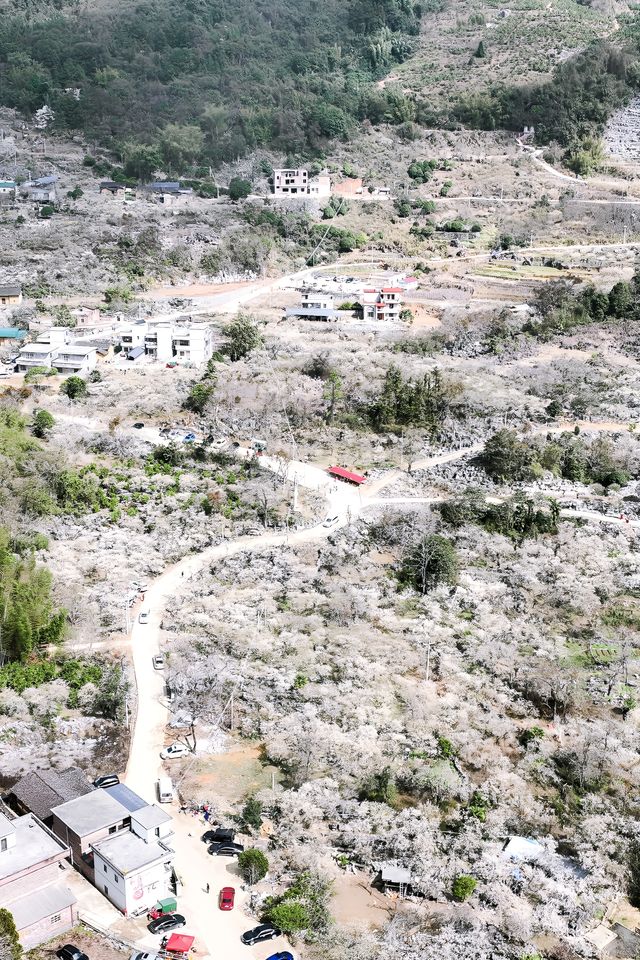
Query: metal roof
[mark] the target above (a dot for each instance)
(346, 475)
(135, 353)
(40, 904)
(12, 333)
(164, 186)
(10, 290)
(124, 795)
(391, 874)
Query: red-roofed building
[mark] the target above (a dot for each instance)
(341, 474)
(382, 306)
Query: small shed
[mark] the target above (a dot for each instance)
(341, 474)
(135, 353)
(394, 879)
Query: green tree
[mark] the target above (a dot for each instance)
(74, 387)
(290, 916)
(332, 393)
(199, 397)
(141, 161)
(253, 864)
(463, 886)
(380, 788)
(181, 144)
(42, 423)
(239, 189)
(10, 948)
(505, 457)
(242, 335)
(252, 813)
(27, 614)
(481, 52)
(432, 561)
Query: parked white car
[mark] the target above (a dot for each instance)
(174, 751)
(158, 662)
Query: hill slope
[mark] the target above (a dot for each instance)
(222, 76)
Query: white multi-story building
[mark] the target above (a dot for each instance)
(131, 872)
(298, 183)
(52, 349)
(382, 306)
(167, 340)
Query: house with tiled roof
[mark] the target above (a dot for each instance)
(41, 790)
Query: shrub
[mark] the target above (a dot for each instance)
(252, 813)
(463, 886)
(74, 387)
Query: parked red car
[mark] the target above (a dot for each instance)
(227, 898)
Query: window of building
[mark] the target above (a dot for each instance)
(115, 877)
(112, 830)
(104, 867)
(3, 843)
(56, 918)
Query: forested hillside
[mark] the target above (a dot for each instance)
(574, 105)
(206, 80)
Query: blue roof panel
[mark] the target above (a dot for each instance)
(126, 797)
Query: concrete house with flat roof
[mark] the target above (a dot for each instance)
(133, 873)
(121, 843)
(86, 820)
(32, 884)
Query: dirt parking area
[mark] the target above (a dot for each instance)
(93, 944)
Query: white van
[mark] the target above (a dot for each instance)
(165, 790)
(144, 615)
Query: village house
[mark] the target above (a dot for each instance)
(314, 306)
(10, 295)
(120, 843)
(53, 349)
(32, 885)
(7, 190)
(110, 188)
(86, 820)
(168, 340)
(297, 183)
(42, 190)
(41, 790)
(75, 359)
(35, 355)
(10, 336)
(132, 873)
(381, 306)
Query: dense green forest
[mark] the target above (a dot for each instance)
(571, 108)
(202, 81)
